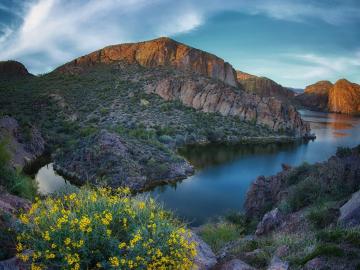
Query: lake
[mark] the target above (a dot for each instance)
(224, 172)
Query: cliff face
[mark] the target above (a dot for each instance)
(263, 86)
(341, 97)
(12, 68)
(207, 96)
(161, 52)
(344, 97)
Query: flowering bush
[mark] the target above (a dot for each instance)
(95, 229)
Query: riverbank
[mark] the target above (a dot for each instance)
(304, 217)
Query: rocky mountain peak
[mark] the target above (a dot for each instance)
(13, 68)
(161, 52)
(344, 97)
(320, 87)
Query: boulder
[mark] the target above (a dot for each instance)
(269, 222)
(350, 211)
(205, 258)
(317, 263)
(236, 264)
(282, 251)
(278, 264)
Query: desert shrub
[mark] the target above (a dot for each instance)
(329, 250)
(304, 193)
(217, 234)
(298, 174)
(103, 229)
(343, 152)
(340, 236)
(321, 216)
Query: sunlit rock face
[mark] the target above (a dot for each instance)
(316, 96)
(263, 86)
(162, 52)
(344, 97)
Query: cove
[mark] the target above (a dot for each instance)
(224, 172)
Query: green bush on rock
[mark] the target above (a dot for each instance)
(105, 229)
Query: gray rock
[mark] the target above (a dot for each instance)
(317, 263)
(236, 264)
(282, 251)
(10, 264)
(205, 258)
(350, 211)
(278, 264)
(269, 222)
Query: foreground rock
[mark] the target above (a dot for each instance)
(277, 264)
(161, 52)
(350, 211)
(269, 222)
(236, 264)
(205, 258)
(23, 150)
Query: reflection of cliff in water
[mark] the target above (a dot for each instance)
(202, 156)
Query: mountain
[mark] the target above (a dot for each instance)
(12, 68)
(341, 97)
(344, 97)
(263, 86)
(118, 114)
(161, 52)
(315, 96)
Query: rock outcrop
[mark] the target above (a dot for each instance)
(207, 96)
(161, 52)
(315, 96)
(22, 150)
(236, 264)
(205, 258)
(341, 97)
(350, 211)
(344, 97)
(124, 162)
(263, 86)
(12, 69)
(269, 222)
(269, 191)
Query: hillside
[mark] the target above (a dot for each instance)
(121, 121)
(263, 86)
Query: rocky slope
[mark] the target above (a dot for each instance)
(12, 68)
(344, 97)
(263, 86)
(161, 52)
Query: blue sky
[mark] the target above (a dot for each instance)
(294, 42)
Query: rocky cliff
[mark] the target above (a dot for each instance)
(315, 96)
(208, 96)
(12, 68)
(263, 86)
(161, 52)
(344, 97)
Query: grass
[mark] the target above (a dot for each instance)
(219, 233)
(322, 215)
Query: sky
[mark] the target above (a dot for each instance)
(294, 42)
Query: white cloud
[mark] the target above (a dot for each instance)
(55, 31)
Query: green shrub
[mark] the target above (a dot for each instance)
(340, 235)
(330, 250)
(321, 216)
(343, 152)
(298, 174)
(13, 180)
(103, 229)
(217, 234)
(304, 193)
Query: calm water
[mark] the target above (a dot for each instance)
(224, 173)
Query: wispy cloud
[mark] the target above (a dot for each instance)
(54, 31)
